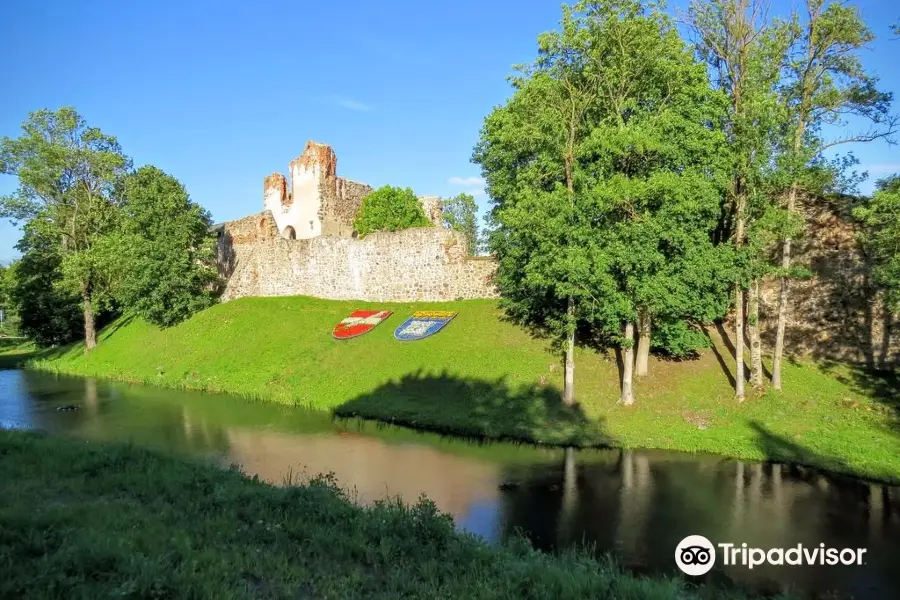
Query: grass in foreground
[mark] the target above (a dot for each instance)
(83, 520)
(484, 377)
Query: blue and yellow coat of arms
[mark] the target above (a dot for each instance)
(422, 324)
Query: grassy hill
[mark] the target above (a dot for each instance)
(484, 377)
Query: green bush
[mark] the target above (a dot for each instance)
(390, 209)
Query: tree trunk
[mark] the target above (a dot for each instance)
(739, 343)
(756, 372)
(643, 349)
(783, 299)
(628, 368)
(569, 387)
(90, 332)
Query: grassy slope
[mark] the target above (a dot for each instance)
(485, 377)
(93, 521)
(14, 351)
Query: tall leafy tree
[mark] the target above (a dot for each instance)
(604, 172)
(48, 314)
(163, 249)
(745, 51)
(658, 168)
(460, 213)
(881, 237)
(826, 83)
(67, 172)
(528, 151)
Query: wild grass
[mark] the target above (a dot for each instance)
(486, 378)
(94, 521)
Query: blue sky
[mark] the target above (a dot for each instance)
(222, 94)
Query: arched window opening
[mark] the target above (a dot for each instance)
(289, 233)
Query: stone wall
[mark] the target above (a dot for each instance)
(837, 314)
(341, 201)
(422, 264)
(433, 208)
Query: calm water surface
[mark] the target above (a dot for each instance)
(636, 504)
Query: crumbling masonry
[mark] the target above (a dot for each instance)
(304, 243)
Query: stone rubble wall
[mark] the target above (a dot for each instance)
(837, 314)
(421, 264)
(341, 201)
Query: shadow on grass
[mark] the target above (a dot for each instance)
(811, 466)
(15, 351)
(725, 365)
(883, 385)
(780, 449)
(113, 327)
(478, 409)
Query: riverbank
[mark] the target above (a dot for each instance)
(14, 352)
(483, 377)
(96, 520)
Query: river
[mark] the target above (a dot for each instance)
(635, 504)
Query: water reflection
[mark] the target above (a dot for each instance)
(637, 504)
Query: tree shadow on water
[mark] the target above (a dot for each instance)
(478, 409)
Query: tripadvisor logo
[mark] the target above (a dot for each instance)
(695, 555)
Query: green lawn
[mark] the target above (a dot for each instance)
(92, 521)
(14, 351)
(482, 376)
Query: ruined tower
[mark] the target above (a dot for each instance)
(318, 202)
(298, 209)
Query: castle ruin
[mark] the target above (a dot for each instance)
(318, 202)
(304, 243)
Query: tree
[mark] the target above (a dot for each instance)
(7, 273)
(528, 152)
(826, 83)
(745, 52)
(163, 250)
(460, 214)
(605, 173)
(657, 173)
(48, 315)
(67, 171)
(881, 237)
(390, 209)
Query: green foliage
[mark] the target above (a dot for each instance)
(10, 318)
(163, 251)
(678, 338)
(824, 86)
(539, 231)
(745, 52)
(647, 159)
(390, 209)
(48, 315)
(67, 172)
(460, 214)
(881, 237)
